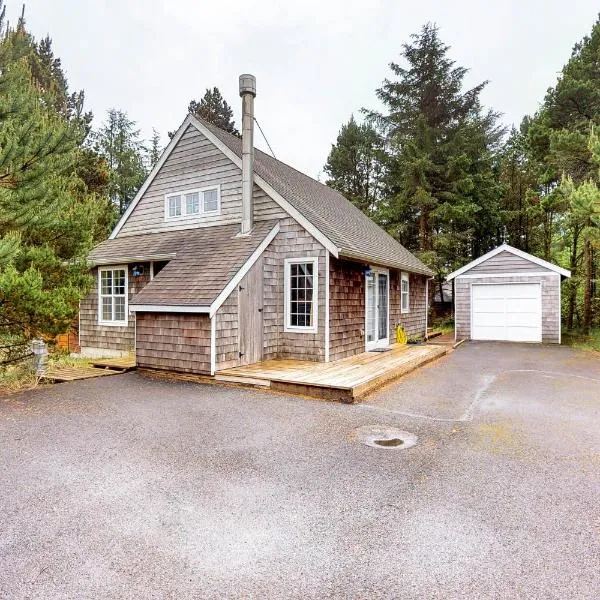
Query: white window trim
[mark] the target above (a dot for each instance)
(404, 277)
(101, 321)
(288, 328)
(195, 216)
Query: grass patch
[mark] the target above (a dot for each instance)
(576, 339)
(20, 376)
(443, 325)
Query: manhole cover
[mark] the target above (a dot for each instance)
(381, 436)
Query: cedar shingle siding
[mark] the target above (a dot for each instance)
(117, 338)
(196, 163)
(175, 342)
(347, 307)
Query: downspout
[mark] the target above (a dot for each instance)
(248, 93)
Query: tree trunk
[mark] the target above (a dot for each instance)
(423, 230)
(572, 286)
(587, 290)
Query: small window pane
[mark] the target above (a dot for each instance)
(107, 309)
(175, 206)
(119, 282)
(211, 202)
(192, 204)
(106, 282)
(119, 308)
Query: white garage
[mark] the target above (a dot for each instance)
(508, 295)
(509, 312)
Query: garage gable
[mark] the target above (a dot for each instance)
(506, 260)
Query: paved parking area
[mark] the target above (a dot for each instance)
(128, 487)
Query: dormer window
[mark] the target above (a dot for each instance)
(193, 203)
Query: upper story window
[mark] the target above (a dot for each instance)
(301, 294)
(112, 296)
(404, 293)
(193, 203)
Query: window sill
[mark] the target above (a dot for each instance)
(194, 217)
(289, 329)
(114, 323)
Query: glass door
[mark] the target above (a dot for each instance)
(377, 309)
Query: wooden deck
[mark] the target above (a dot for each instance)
(62, 374)
(347, 380)
(122, 365)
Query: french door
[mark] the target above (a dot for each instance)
(377, 323)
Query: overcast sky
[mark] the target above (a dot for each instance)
(316, 61)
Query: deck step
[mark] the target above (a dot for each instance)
(243, 380)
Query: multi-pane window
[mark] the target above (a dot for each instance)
(113, 296)
(193, 203)
(211, 201)
(174, 206)
(301, 294)
(404, 293)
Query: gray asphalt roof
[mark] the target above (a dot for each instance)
(205, 260)
(352, 232)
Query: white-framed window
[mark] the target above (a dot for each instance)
(174, 206)
(404, 293)
(301, 294)
(112, 295)
(193, 203)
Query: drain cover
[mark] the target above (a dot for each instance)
(381, 436)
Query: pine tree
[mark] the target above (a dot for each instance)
(118, 142)
(47, 218)
(354, 165)
(154, 150)
(214, 108)
(441, 189)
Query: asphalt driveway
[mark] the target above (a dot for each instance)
(128, 487)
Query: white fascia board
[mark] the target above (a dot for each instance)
(278, 198)
(516, 252)
(213, 345)
(163, 157)
(511, 275)
(235, 280)
(131, 259)
(168, 309)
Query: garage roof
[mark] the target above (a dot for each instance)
(506, 248)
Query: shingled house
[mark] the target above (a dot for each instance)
(227, 256)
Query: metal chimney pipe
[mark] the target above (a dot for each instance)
(247, 92)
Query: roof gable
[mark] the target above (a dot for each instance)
(516, 252)
(329, 217)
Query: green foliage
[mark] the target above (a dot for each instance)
(440, 187)
(354, 165)
(47, 215)
(118, 142)
(213, 107)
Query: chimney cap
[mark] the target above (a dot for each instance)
(247, 84)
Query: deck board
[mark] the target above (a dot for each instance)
(126, 363)
(352, 377)
(63, 374)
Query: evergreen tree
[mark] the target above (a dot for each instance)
(214, 108)
(354, 165)
(118, 142)
(441, 188)
(154, 150)
(47, 217)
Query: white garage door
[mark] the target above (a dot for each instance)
(508, 312)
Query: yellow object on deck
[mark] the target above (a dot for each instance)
(400, 335)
